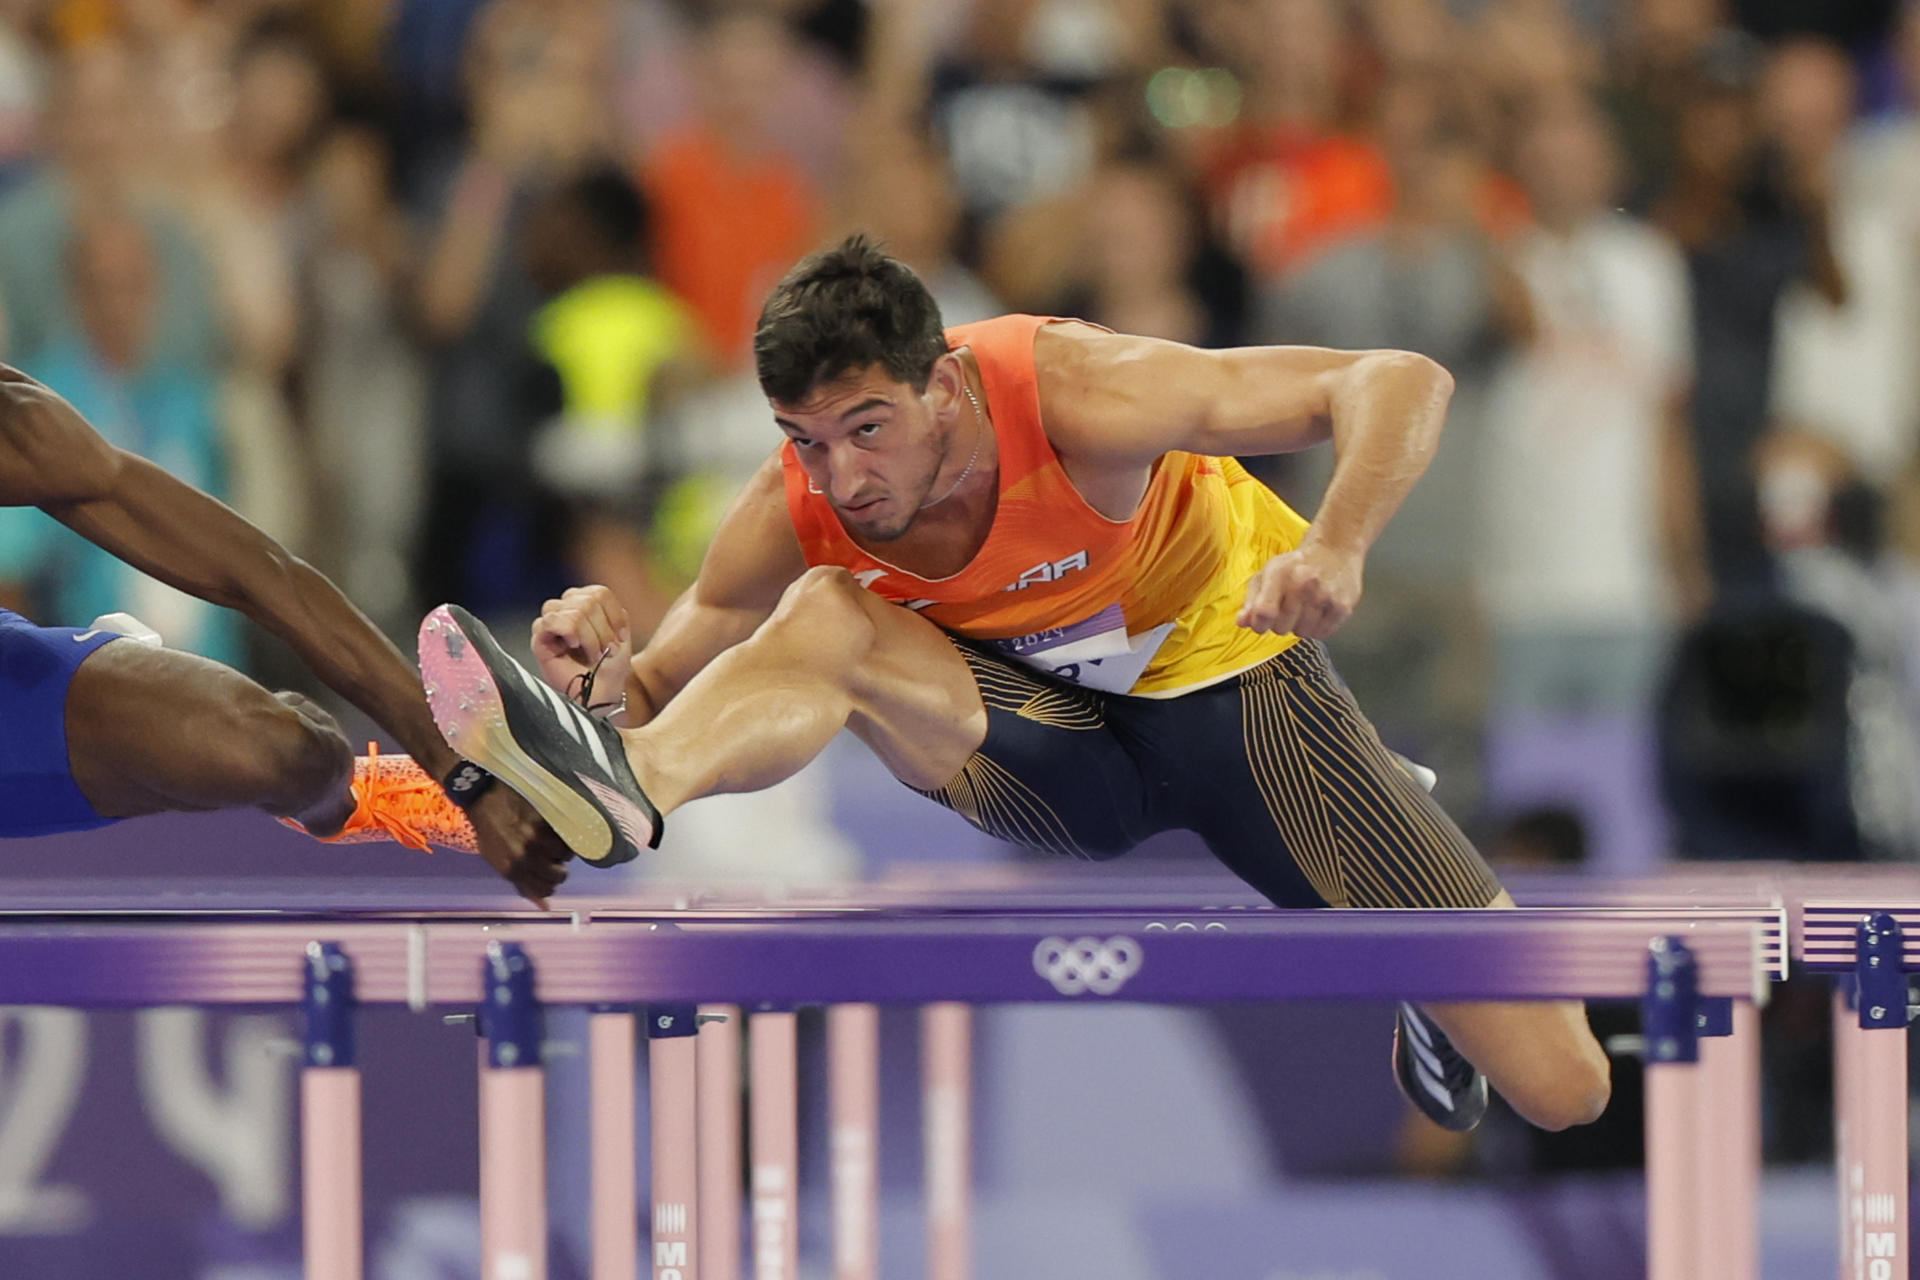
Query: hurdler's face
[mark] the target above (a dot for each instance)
(873, 446)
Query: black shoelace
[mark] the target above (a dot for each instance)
(580, 690)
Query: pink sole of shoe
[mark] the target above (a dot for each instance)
(467, 705)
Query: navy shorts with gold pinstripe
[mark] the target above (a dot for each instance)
(1276, 769)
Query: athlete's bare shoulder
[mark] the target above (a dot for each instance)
(755, 553)
(1111, 399)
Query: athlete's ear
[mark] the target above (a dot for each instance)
(944, 386)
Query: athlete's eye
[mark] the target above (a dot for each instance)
(803, 442)
(868, 430)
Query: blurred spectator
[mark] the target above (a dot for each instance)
(733, 213)
(98, 127)
(1014, 105)
(245, 197)
(1591, 533)
(22, 88)
(361, 383)
(902, 194)
(107, 365)
(1656, 48)
(1430, 280)
(1144, 262)
(537, 92)
(1825, 524)
(1847, 370)
(614, 340)
(1751, 223)
(1291, 176)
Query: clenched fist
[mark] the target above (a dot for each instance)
(1309, 591)
(585, 632)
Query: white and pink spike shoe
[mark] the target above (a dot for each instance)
(570, 766)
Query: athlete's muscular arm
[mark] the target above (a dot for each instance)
(1113, 403)
(51, 458)
(754, 557)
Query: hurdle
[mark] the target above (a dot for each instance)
(1870, 948)
(758, 962)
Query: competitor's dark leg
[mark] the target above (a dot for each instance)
(832, 655)
(156, 730)
(1317, 800)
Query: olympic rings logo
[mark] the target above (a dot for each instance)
(1087, 964)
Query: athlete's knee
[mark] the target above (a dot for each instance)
(284, 751)
(826, 610)
(1578, 1094)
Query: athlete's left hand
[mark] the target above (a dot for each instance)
(1309, 591)
(517, 844)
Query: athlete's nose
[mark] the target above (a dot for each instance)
(847, 478)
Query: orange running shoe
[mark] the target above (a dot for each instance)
(397, 800)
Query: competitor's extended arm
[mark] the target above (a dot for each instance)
(51, 458)
(1120, 400)
(1114, 402)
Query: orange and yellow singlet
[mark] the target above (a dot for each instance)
(1143, 606)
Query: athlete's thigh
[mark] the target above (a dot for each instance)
(1306, 794)
(152, 730)
(1049, 773)
(915, 703)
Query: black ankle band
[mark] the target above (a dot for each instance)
(466, 783)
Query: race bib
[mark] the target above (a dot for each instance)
(1096, 654)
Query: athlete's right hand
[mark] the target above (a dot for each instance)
(575, 633)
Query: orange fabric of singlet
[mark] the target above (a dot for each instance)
(1143, 606)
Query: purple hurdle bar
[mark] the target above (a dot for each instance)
(1028, 956)
(718, 1058)
(673, 1074)
(615, 1232)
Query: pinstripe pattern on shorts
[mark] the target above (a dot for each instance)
(1363, 832)
(1277, 771)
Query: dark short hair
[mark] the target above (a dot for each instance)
(841, 310)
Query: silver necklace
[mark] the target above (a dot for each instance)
(979, 438)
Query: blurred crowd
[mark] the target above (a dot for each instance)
(454, 297)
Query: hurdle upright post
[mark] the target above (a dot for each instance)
(1675, 1238)
(718, 1056)
(1729, 1189)
(946, 1060)
(853, 1085)
(614, 1192)
(330, 1151)
(513, 1152)
(1871, 1088)
(773, 1135)
(673, 1075)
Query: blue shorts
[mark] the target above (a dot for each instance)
(38, 795)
